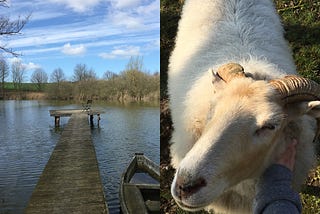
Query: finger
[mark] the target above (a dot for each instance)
(294, 142)
(293, 146)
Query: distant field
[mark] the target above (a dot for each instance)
(24, 86)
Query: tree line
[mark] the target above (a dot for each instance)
(133, 83)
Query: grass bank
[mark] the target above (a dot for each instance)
(82, 91)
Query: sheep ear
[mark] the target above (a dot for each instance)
(311, 108)
(215, 77)
(217, 83)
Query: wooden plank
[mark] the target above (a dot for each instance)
(70, 182)
(133, 199)
(65, 112)
(69, 112)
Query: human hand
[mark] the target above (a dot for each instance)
(288, 157)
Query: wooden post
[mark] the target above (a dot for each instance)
(98, 120)
(57, 121)
(91, 120)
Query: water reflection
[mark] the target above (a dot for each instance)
(26, 142)
(28, 137)
(123, 132)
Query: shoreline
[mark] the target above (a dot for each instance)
(32, 95)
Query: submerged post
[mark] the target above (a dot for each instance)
(57, 121)
(91, 120)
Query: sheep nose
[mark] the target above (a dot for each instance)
(186, 189)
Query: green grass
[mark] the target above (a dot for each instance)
(301, 21)
(169, 15)
(31, 87)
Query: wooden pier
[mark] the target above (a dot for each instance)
(70, 182)
(68, 112)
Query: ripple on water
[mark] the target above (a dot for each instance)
(124, 133)
(28, 137)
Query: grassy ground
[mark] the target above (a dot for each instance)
(301, 20)
(24, 86)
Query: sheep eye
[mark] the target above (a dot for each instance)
(269, 126)
(265, 127)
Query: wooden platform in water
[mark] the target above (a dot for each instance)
(70, 182)
(69, 112)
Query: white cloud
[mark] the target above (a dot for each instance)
(152, 9)
(63, 33)
(116, 25)
(134, 14)
(68, 49)
(14, 59)
(31, 66)
(126, 20)
(121, 52)
(152, 45)
(28, 66)
(121, 4)
(44, 15)
(78, 5)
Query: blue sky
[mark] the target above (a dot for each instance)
(103, 34)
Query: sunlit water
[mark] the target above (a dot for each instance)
(124, 131)
(28, 137)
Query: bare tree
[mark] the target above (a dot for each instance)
(4, 73)
(109, 75)
(10, 27)
(57, 76)
(4, 3)
(18, 71)
(91, 75)
(85, 80)
(135, 63)
(135, 77)
(39, 76)
(80, 72)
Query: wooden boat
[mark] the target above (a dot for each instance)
(140, 197)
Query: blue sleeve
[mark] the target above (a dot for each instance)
(274, 193)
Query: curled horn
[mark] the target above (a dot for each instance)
(230, 71)
(296, 89)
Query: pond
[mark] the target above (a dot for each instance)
(28, 137)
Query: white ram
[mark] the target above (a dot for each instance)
(232, 119)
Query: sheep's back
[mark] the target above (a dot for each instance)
(217, 32)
